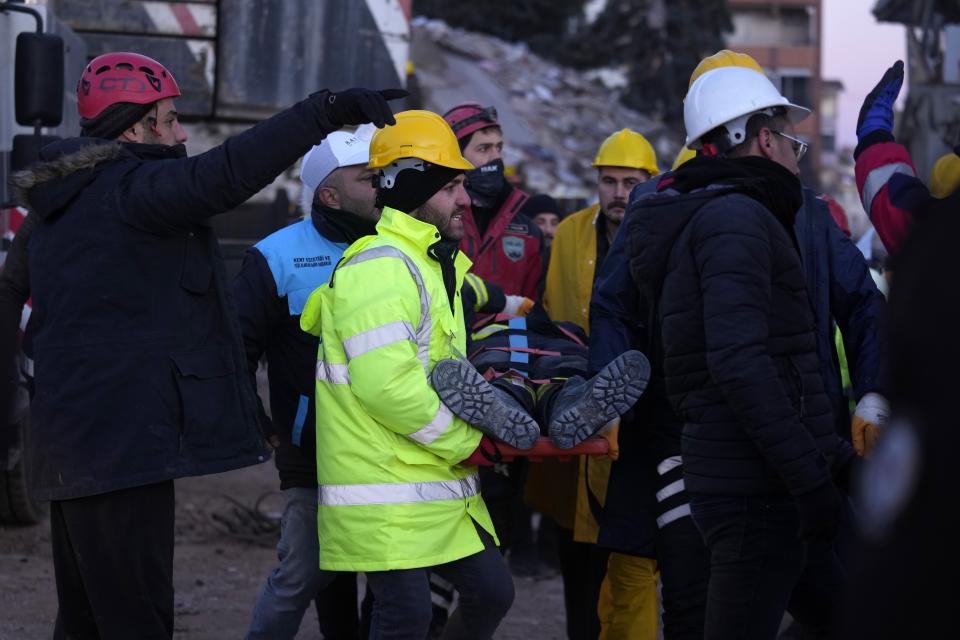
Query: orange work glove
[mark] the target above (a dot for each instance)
(518, 306)
(868, 421)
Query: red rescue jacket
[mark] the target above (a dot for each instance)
(509, 253)
(890, 191)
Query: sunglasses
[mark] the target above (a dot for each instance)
(799, 146)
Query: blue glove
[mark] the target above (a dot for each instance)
(876, 114)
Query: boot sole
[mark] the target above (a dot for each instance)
(468, 395)
(612, 393)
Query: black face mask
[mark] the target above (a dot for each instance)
(486, 182)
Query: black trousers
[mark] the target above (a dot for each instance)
(402, 598)
(684, 563)
(336, 607)
(760, 568)
(113, 560)
(582, 567)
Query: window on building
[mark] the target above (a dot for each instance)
(828, 142)
(774, 27)
(796, 88)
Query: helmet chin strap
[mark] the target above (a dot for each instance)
(412, 182)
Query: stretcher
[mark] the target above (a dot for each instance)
(544, 448)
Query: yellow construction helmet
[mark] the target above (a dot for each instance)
(724, 58)
(945, 178)
(686, 153)
(423, 135)
(627, 148)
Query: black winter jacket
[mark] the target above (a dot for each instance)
(140, 371)
(739, 340)
(841, 291)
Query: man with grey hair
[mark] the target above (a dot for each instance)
(277, 276)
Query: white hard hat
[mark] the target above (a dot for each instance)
(342, 148)
(728, 96)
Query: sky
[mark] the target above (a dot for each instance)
(857, 50)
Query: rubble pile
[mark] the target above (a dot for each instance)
(554, 117)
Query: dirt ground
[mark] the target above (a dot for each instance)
(216, 576)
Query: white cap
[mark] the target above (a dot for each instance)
(339, 149)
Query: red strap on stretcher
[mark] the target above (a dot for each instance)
(544, 448)
(536, 352)
(492, 374)
(571, 335)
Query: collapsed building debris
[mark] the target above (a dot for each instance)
(554, 118)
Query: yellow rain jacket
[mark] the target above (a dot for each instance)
(573, 262)
(392, 493)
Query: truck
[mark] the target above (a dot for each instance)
(41, 59)
(236, 62)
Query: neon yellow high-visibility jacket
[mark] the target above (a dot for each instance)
(392, 493)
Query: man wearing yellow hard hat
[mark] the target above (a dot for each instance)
(624, 160)
(397, 496)
(840, 287)
(580, 244)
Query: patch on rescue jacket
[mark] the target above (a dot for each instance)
(513, 247)
(521, 229)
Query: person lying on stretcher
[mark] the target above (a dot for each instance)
(525, 375)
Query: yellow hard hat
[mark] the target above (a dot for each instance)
(627, 148)
(945, 178)
(724, 58)
(686, 153)
(417, 134)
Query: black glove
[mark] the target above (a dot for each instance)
(820, 512)
(359, 106)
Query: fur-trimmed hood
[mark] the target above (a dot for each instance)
(66, 167)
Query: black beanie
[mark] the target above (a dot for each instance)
(540, 203)
(114, 120)
(412, 188)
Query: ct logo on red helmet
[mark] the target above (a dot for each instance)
(122, 77)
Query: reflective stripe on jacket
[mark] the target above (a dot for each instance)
(392, 492)
(890, 191)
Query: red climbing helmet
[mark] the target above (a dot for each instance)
(464, 119)
(122, 77)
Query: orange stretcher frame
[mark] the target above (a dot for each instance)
(544, 448)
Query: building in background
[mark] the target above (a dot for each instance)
(784, 37)
(836, 162)
(828, 111)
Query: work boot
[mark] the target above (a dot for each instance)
(493, 411)
(583, 407)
